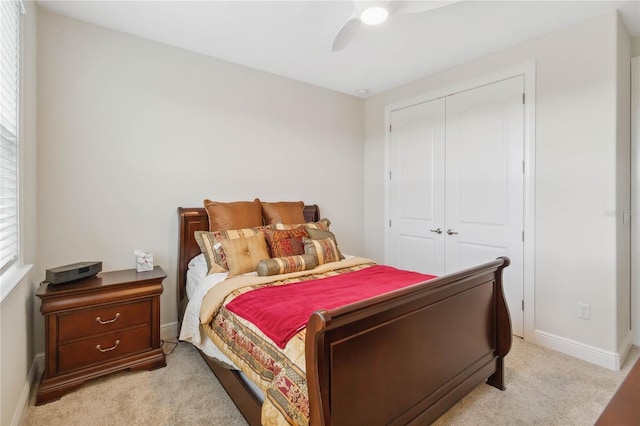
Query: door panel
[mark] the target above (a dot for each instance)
(481, 154)
(417, 188)
(484, 183)
(428, 257)
(416, 195)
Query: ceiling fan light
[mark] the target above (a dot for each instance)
(374, 15)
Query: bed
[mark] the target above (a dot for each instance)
(403, 357)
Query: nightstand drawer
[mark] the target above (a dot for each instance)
(103, 319)
(80, 354)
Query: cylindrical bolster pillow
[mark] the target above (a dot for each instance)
(284, 265)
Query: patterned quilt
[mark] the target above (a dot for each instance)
(280, 373)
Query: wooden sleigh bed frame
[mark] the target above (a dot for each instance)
(401, 358)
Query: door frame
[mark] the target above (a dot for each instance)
(635, 200)
(528, 71)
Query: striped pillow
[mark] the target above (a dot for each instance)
(324, 250)
(322, 224)
(318, 234)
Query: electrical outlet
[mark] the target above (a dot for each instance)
(584, 311)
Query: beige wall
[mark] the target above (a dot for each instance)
(16, 310)
(131, 129)
(16, 350)
(576, 174)
(635, 198)
(635, 47)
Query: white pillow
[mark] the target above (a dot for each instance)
(199, 265)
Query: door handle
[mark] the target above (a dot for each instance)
(437, 230)
(450, 232)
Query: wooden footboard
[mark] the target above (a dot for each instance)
(408, 356)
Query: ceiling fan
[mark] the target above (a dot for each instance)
(368, 13)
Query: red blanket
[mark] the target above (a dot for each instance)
(281, 311)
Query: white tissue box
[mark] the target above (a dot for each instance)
(144, 261)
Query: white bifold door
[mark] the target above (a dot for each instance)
(456, 185)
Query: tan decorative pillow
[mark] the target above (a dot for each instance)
(286, 212)
(210, 244)
(318, 234)
(322, 224)
(284, 265)
(235, 215)
(243, 254)
(324, 250)
(286, 242)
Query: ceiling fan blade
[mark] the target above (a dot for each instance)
(346, 34)
(405, 7)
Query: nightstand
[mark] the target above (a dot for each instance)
(99, 325)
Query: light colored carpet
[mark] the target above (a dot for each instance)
(185, 392)
(544, 387)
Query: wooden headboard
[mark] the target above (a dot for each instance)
(194, 219)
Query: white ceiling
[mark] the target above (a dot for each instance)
(294, 38)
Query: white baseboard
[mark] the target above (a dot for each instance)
(601, 357)
(169, 331)
(23, 402)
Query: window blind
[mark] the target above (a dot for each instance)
(9, 130)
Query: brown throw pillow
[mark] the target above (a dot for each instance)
(243, 254)
(285, 243)
(287, 212)
(235, 215)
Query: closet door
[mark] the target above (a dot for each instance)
(484, 183)
(417, 188)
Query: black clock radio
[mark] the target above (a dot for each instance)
(75, 271)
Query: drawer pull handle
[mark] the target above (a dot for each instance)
(108, 349)
(108, 321)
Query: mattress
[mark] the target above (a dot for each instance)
(198, 284)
